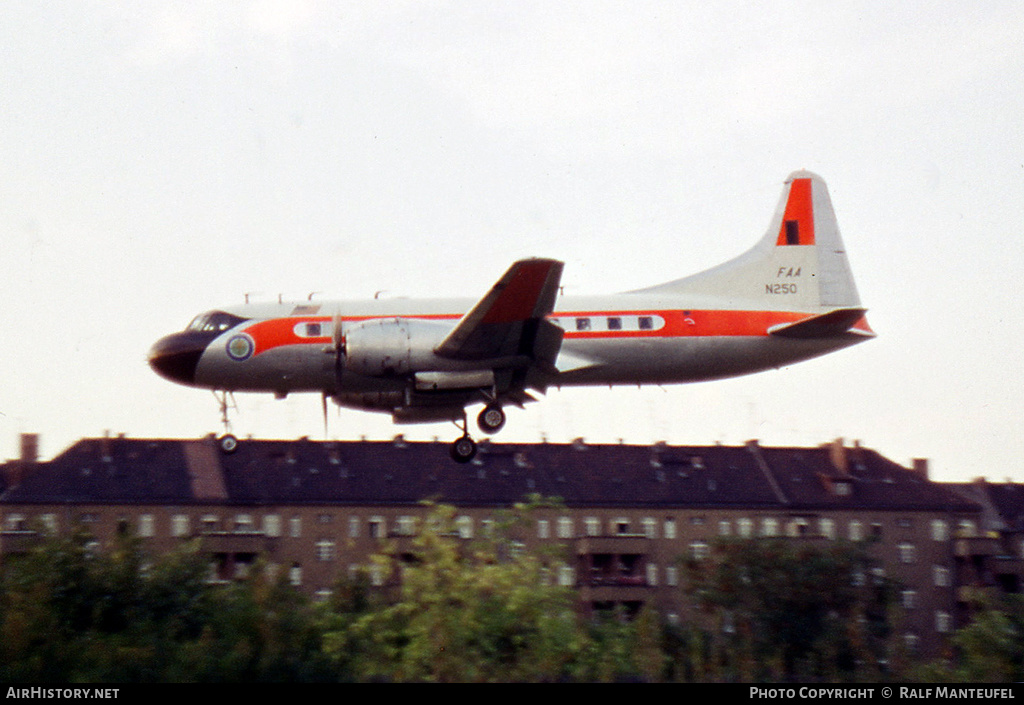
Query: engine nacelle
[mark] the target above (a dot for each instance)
(393, 347)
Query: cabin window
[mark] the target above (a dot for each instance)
(582, 324)
(645, 323)
(614, 323)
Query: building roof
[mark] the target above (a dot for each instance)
(119, 470)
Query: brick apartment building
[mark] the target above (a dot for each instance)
(628, 513)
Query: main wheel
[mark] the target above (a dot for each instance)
(228, 444)
(463, 449)
(491, 419)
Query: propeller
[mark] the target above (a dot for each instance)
(337, 349)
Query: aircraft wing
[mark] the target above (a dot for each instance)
(509, 321)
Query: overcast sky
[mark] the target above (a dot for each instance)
(161, 159)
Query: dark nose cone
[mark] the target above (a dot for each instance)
(175, 357)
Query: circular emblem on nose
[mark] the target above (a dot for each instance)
(240, 347)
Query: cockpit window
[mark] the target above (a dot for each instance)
(214, 322)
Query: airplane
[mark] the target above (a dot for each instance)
(791, 297)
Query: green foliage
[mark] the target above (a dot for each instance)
(783, 608)
(990, 649)
(466, 612)
(458, 610)
(67, 615)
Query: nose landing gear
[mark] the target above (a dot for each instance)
(228, 442)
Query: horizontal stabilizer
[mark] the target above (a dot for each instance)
(826, 325)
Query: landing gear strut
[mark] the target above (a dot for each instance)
(490, 420)
(463, 449)
(228, 442)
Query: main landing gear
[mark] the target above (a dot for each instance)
(490, 420)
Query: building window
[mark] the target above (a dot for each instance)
(179, 525)
(940, 575)
(966, 529)
(770, 526)
(211, 523)
(911, 641)
(940, 530)
(353, 527)
(652, 574)
(620, 526)
(827, 528)
(592, 526)
(375, 527)
(543, 530)
(856, 531)
(146, 527)
(325, 550)
(464, 525)
(564, 528)
(324, 518)
(669, 529)
(650, 527)
(724, 527)
(49, 523)
(566, 575)
(745, 527)
(243, 523)
(943, 622)
(699, 550)
(671, 576)
(295, 527)
(272, 525)
(906, 552)
(406, 525)
(797, 527)
(908, 598)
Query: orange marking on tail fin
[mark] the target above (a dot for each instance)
(798, 222)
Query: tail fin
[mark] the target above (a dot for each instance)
(800, 264)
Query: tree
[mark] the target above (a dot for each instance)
(466, 611)
(792, 607)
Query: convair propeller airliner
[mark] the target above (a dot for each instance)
(789, 298)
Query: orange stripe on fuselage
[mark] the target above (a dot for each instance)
(277, 332)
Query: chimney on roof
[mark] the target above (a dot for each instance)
(921, 467)
(29, 447)
(837, 454)
(18, 469)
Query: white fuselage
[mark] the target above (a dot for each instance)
(623, 339)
